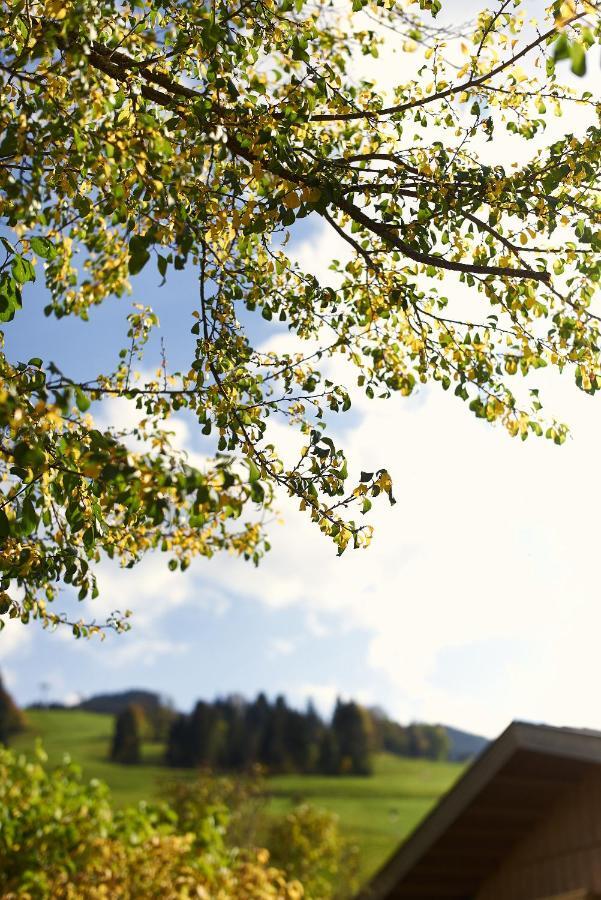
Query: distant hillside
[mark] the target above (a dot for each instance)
(463, 745)
(116, 703)
(376, 813)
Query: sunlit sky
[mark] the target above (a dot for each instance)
(478, 601)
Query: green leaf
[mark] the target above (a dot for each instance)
(8, 146)
(10, 298)
(43, 247)
(578, 57)
(22, 270)
(82, 400)
(162, 264)
(28, 517)
(561, 48)
(28, 456)
(138, 254)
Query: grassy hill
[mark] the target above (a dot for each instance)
(376, 812)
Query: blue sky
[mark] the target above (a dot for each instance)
(478, 601)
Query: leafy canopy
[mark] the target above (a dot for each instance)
(172, 134)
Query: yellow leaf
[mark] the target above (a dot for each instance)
(56, 9)
(291, 200)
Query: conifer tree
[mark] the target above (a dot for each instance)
(353, 730)
(12, 719)
(126, 739)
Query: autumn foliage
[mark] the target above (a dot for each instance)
(189, 136)
(61, 838)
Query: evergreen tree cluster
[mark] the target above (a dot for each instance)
(232, 734)
(129, 726)
(415, 740)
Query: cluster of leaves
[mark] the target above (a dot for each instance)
(74, 491)
(91, 851)
(60, 837)
(306, 843)
(196, 135)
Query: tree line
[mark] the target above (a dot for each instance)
(232, 734)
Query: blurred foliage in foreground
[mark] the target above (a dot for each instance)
(90, 850)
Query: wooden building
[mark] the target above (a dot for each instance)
(522, 823)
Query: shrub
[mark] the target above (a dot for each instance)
(235, 803)
(315, 852)
(61, 838)
(307, 843)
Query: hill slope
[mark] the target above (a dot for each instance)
(463, 744)
(377, 812)
(116, 703)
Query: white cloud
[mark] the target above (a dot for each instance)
(15, 639)
(315, 625)
(153, 594)
(323, 696)
(490, 540)
(122, 414)
(143, 650)
(72, 698)
(282, 647)
(150, 590)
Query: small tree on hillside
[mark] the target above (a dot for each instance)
(12, 719)
(328, 762)
(126, 739)
(353, 730)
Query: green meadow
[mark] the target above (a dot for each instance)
(377, 812)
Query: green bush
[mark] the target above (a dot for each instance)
(61, 838)
(234, 803)
(306, 843)
(315, 852)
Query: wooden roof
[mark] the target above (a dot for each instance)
(503, 794)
